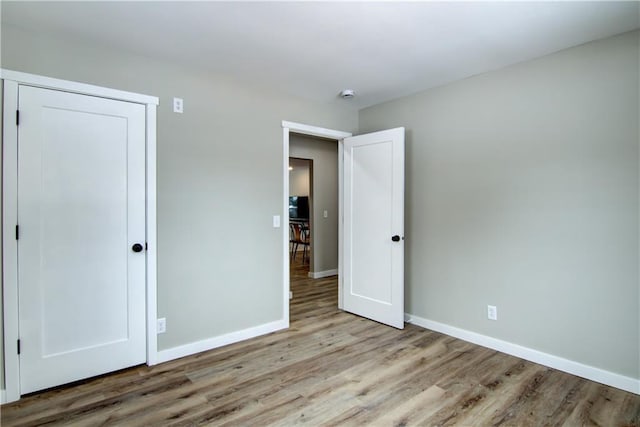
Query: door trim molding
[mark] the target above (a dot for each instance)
(76, 87)
(11, 80)
(9, 243)
(303, 129)
(152, 239)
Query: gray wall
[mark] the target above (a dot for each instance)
(324, 235)
(522, 192)
(219, 179)
(299, 177)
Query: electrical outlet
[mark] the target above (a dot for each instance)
(162, 325)
(492, 312)
(325, 214)
(178, 104)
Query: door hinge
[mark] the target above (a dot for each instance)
(146, 246)
(17, 117)
(17, 232)
(18, 346)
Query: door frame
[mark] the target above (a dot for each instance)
(303, 129)
(11, 80)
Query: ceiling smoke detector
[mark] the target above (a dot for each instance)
(347, 94)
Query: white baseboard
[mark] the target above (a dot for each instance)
(219, 341)
(321, 274)
(589, 372)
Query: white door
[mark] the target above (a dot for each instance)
(81, 210)
(373, 282)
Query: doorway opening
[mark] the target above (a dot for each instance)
(292, 133)
(370, 222)
(313, 222)
(301, 218)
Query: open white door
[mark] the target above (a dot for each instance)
(81, 258)
(373, 282)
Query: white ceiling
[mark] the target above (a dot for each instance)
(382, 50)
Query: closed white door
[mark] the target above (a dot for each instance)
(81, 210)
(373, 282)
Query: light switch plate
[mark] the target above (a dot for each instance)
(178, 105)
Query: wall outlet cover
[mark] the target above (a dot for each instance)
(178, 105)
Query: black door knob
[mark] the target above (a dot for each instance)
(396, 238)
(137, 247)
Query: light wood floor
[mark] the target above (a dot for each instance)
(333, 368)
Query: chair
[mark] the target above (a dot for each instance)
(299, 235)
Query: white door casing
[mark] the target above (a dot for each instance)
(373, 197)
(81, 207)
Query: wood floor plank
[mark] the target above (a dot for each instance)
(355, 386)
(333, 368)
